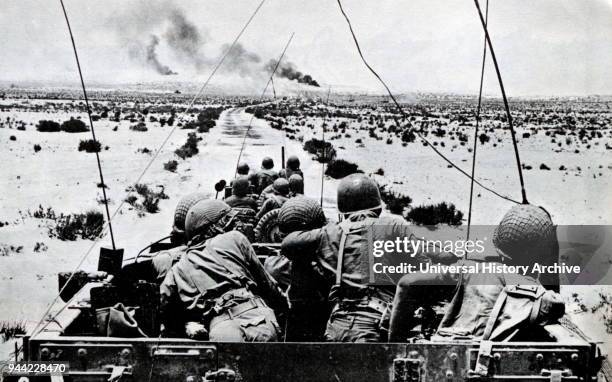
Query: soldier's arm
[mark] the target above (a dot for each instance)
(302, 245)
(433, 254)
(413, 291)
(265, 284)
(265, 208)
(169, 306)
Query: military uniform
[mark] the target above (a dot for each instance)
(264, 178)
(487, 305)
(360, 311)
(220, 282)
(241, 202)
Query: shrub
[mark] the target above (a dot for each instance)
(150, 199)
(190, 148)
(340, 168)
(435, 214)
(396, 202)
(544, 167)
(37, 148)
(74, 126)
(87, 226)
(48, 126)
(324, 151)
(171, 165)
(13, 138)
(11, 329)
(484, 138)
(150, 204)
(90, 146)
(140, 126)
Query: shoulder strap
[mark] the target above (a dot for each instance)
(340, 264)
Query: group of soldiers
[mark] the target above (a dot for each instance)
(316, 288)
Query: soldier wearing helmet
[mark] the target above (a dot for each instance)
(275, 199)
(296, 185)
(243, 169)
(240, 194)
(163, 261)
(293, 167)
(488, 305)
(266, 176)
(360, 311)
(219, 283)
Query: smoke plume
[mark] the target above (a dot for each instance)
(288, 70)
(240, 60)
(184, 38)
(153, 61)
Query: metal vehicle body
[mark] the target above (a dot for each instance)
(555, 354)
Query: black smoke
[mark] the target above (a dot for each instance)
(152, 59)
(240, 60)
(288, 70)
(184, 38)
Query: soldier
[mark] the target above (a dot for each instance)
(164, 260)
(243, 169)
(485, 304)
(219, 283)
(266, 176)
(360, 311)
(293, 167)
(274, 200)
(239, 197)
(296, 185)
(308, 291)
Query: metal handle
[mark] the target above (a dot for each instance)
(182, 353)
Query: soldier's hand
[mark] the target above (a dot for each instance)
(196, 331)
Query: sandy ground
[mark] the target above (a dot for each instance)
(65, 179)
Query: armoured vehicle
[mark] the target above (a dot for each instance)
(75, 337)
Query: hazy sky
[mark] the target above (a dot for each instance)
(544, 47)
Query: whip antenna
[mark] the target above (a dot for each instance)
(93, 133)
(484, 59)
(503, 91)
(324, 148)
(403, 113)
(246, 134)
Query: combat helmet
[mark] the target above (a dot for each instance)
(296, 184)
(243, 169)
(358, 192)
(240, 186)
(524, 231)
(293, 163)
(299, 214)
(267, 163)
(204, 214)
(281, 186)
(183, 206)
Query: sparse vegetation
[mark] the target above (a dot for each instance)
(150, 199)
(140, 126)
(74, 126)
(45, 126)
(323, 151)
(395, 202)
(441, 213)
(90, 146)
(340, 168)
(189, 148)
(88, 225)
(171, 165)
(11, 329)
